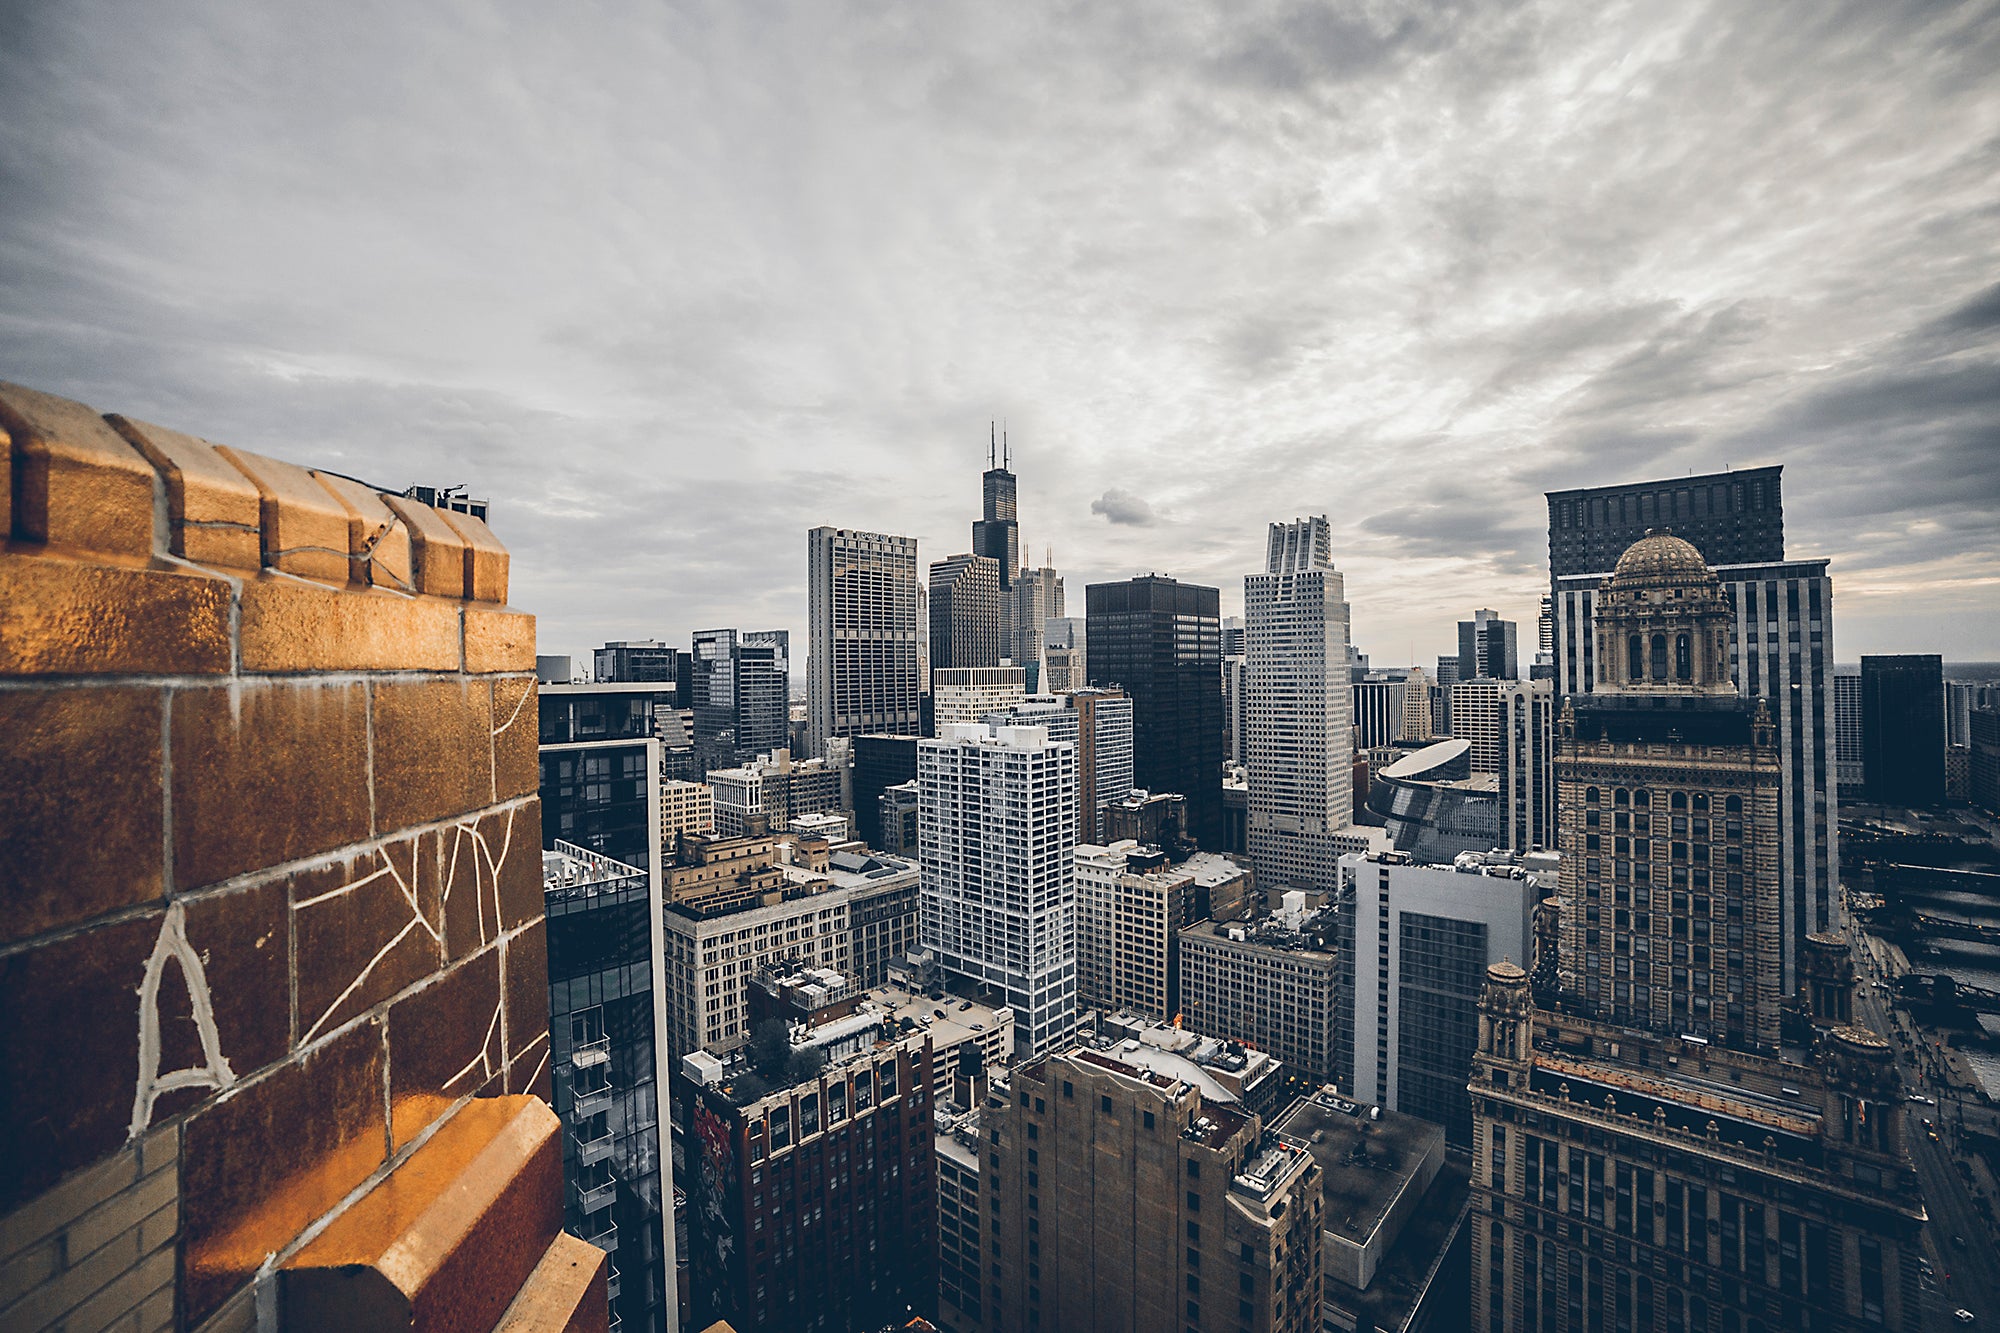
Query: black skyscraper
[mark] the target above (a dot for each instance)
(997, 533)
(1161, 641)
(1902, 728)
(1732, 518)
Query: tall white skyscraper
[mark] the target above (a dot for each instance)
(996, 829)
(1299, 728)
(865, 628)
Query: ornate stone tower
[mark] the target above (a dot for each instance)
(1667, 792)
(1663, 623)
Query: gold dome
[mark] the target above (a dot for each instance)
(1661, 557)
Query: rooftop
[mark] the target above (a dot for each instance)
(571, 871)
(952, 1021)
(1368, 1155)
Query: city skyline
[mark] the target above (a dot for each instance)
(1410, 270)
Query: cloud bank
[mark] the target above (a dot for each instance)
(672, 284)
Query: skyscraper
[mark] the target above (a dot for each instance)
(996, 825)
(862, 672)
(1903, 728)
(1423, 939)
(1037, 598)
(1732, 518)
(1527, 766)
(1488, 646)
(1159, 640)
(997, 533)
(965, 596)
(1781, 647)
(1299, 738)
(1644, 1155)
(1141, 1197)
(1849, 763)
(1064, 655)
(1668, 793)
(742, 694)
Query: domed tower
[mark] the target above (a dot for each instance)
(1663, 623)
(1506, 1018)
(1829, 981)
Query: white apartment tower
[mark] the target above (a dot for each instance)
(866, 629)
(996, 829)
(1299, 723)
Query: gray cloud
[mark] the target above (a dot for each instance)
(672, 288)
(1124, 507)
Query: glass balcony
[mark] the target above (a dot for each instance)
(588, 1102)
(593, 1197)
(611, 1281)
(589, 1151)
(607, 1239)
(585, 1054)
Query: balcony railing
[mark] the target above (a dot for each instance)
(587, 1102)
(611, 1281)
(607, 1239)
(592, 1150)
(587, 1053)
(593, 1197)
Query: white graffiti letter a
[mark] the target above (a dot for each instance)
(214, 1071)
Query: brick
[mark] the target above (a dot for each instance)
(156, 1315)
(123, 1213)
(66, 617)
(304, 528)
(73, 1286)
(43, 1218)
(378, 545)
(80, 805)
(293, 626)
(485, 558)
(160, 1150)
(126, 1293)
(359, 945)
(76, 484)
(498, 639)
(565, 1294)
(263, 1163)
(524, 969)
(448, 1240)
(28, 1270)
(213, 510)
(437, 552)
(444, 1042)
(517, 769)
(266, 772)
(433, 750)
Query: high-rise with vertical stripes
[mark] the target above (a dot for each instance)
(1299, 733)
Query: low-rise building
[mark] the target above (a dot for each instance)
(1269, 981)
(1130, 907)
(779, 789)
(685, 807)
(734, 905)
(1394, 1205)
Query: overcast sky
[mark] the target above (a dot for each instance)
(672, 285)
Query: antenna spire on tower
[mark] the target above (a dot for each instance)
(989, 444)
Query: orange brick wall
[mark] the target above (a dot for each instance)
(271, 878)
